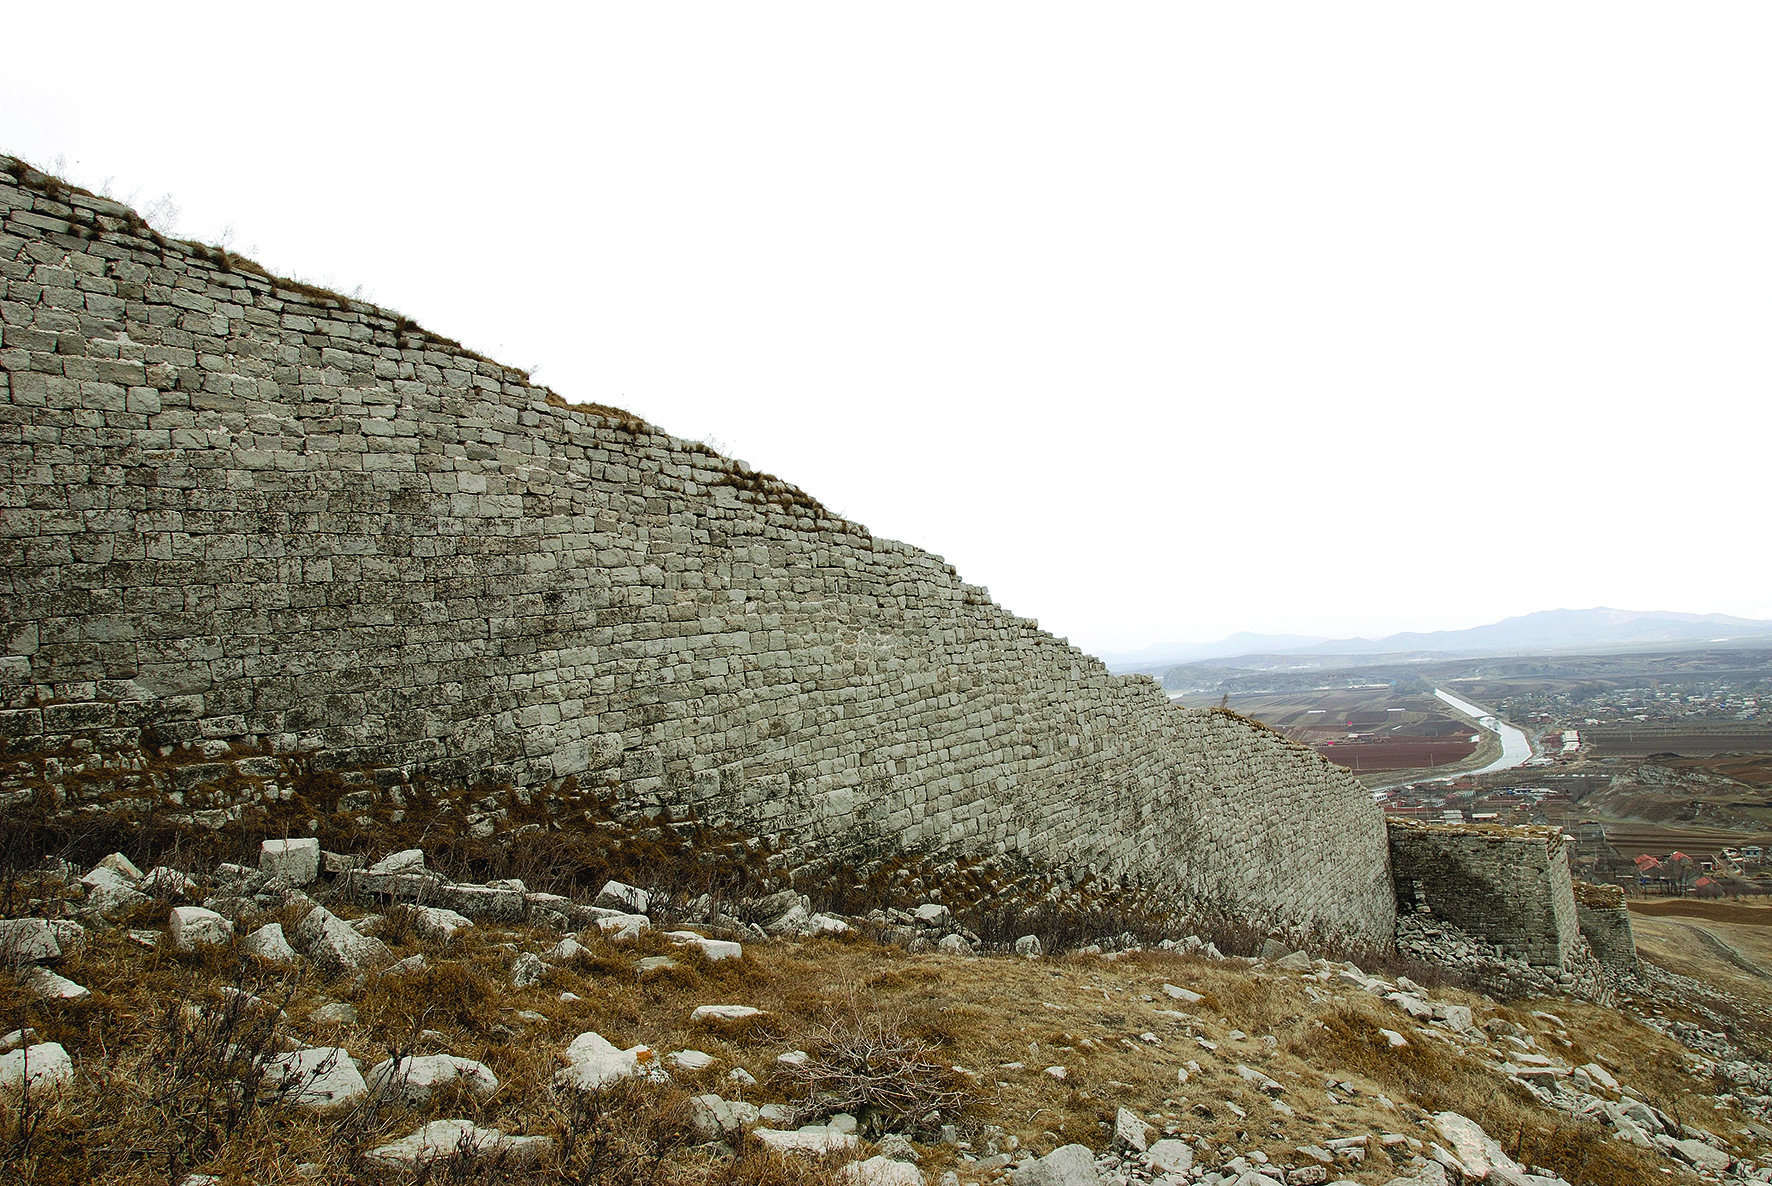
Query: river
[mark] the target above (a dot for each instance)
(1515, 747)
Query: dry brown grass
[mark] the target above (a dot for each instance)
(972, 1018)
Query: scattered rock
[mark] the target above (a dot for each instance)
(437, 924)
(442, 1139)
(881, 1171)
(192, 927)
(809, 1138)
(269, 943)
(336, 946)
(414, 1080)
(316, 1078)
(27, 941)
(713, 949)
(1070, 1165)
(1028, 945)
(592, 1062)
(616, 895)
(336, 1013)
(527, 970)
(410, 860)
(42, 1067)
(1130, 1132)
(723, 1014)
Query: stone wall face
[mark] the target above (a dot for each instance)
(1509, 885)
(1605, 924)
(239, 513)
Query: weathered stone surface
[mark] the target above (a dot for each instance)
(192, 927)
(1130, 1132)
(316, 1078)
(626, 898)
(1170, 1156)
(268, 942)
(442, 1139)
(109, 892)
(1068, 1165)
(27, 941)
(336, 946)
(716, 1119)
(882, 1171)
(592, 1062)
(51, 986)
(413, 1080)
(809, 1138)
(439, 925)
(296, 860)
(43, 1067)
(407, 860)
(714, 949)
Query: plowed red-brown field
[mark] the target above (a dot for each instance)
(1405, 753)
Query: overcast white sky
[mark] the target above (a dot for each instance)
(1163, 321)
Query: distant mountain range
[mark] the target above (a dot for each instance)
(1547, 630)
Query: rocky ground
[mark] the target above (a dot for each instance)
(319, 1018)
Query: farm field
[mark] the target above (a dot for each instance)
(1369, 730)
(1693, 740)
(1656, 839)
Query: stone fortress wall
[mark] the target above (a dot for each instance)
(246, 516)
(1509, 885)
(1605, 924)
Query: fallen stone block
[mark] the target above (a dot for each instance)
(108, 892)
(1130, 1132)
(410, 860)
(616, 895)
(296, 860)
(437, 924)
(336, 946)
(316, 1078)
(881, 1171)
(443, 1139)
(593, 1062)
(1170, 1156)
(119, 864)
(1068, 1165)
(809, 1138)
(36, 1069)
(619, 927)
(269, 943)
(192, 927)
(716, 1119)
(482, 901)
(414, 1080)
(28, 941)
(45, 985)
(713, 949)
(717, 1015)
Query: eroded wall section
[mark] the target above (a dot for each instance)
(240, 515)
(1509, 885)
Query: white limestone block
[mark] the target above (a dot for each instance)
(593, 1062)
(43, 1067)
(414, 1080)
(316, 1078)
(442, 1139)
(269, 943)
(296, 860)
(192, 927)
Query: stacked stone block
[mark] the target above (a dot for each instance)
(1509, 885)
(242, 515)
(1605, 924)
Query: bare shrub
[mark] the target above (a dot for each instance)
(865, 1063)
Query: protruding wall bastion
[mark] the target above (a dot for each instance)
(247, 520)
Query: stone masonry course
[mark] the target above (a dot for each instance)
(240, 512)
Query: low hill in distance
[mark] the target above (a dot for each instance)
(1546, 630)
